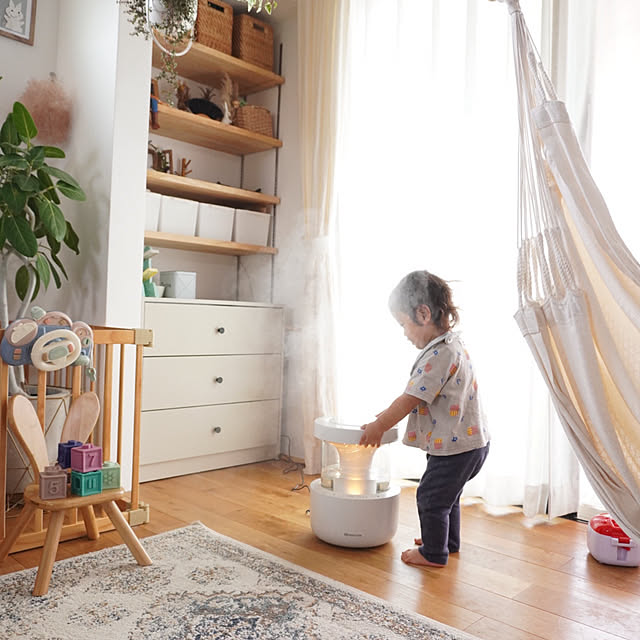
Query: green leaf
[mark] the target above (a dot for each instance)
(15, 199)
(15, 161)
(71, 239)
(20, 236)
(23, 274)
(61, 175)
(30, 184)
(55, 258)
(8, 132)
(3, 237)
(22, 282)
(37, 287)
(47, 183)
(54, 245)
(43, 269)
(52, 218)
(53, 152)
(71, 191)
(36, 157)
(55, 274)
(23, 121)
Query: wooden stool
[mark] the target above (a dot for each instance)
(24, 422)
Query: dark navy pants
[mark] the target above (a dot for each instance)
(438, 499)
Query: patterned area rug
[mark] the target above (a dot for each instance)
(201, 586)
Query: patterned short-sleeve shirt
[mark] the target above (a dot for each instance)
(449, 418)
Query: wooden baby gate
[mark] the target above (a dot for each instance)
(111, 351)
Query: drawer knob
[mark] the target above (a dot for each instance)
(217, 429)
(220, 329)
(219, 379)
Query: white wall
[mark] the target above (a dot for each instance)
(289, 286)
(85, 65)
(127, 167)
(21, 62)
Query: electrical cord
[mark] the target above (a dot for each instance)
(293, 466)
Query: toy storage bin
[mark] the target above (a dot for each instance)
(178, 215)
(214, 222)
(609, 544)
(178, 284)
(251, 227)
(152, 211)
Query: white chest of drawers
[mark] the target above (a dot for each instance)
(212, 386)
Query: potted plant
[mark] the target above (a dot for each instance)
(32, 225)
(171, 24)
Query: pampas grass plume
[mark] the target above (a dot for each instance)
(50, 108)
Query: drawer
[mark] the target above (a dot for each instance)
(194, 329)
(200, 380)
(174, 434)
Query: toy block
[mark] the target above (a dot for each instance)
(110, 475)
(88, 457)
(86, 484)
(64, 452)
(53, 483)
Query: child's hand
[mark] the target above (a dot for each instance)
(372, 435)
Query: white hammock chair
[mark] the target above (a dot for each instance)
(579, 291)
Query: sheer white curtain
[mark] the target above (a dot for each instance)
(428, 181)
(321, 38)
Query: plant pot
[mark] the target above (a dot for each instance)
(19, 473)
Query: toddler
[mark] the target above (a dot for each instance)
(445, 415)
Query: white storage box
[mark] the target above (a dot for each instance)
(178, 284)
(251, 227)
(214, 222)
(178, 215)
(609, 544)
(152, 211)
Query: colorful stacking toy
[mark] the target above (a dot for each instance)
(86, 470)
(53, 483)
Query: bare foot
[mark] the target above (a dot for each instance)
(413, 556)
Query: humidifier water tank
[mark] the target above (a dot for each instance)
(353, 503)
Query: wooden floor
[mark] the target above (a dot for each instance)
(513, 579)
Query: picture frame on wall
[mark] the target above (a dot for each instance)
(18, 20)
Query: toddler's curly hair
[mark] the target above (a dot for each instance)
(421, 287)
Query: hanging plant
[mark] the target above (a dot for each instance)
(170, 23)
(269, 5)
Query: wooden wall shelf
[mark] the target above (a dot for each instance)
(207, 66)
(192, 243)
(203, 191)
(204, 132)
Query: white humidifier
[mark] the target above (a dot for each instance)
(353, 503)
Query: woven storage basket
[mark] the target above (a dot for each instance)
(253, 41)
(254, 118)
(214, 25)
